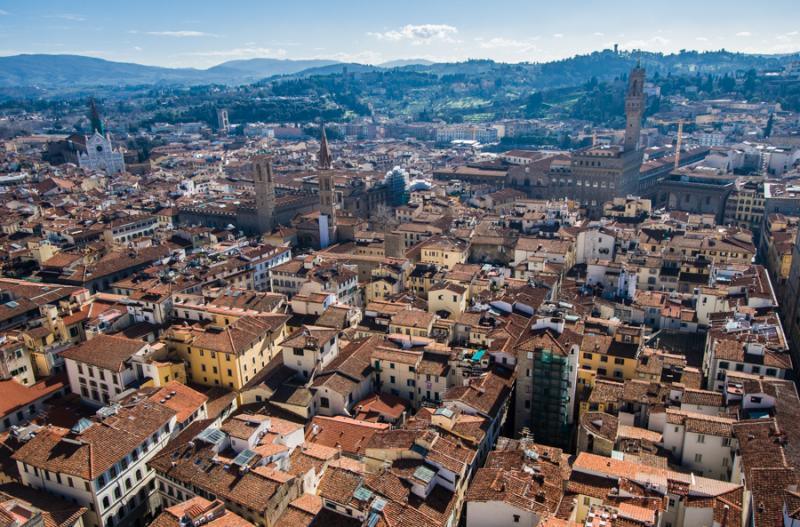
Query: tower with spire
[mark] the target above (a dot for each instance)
(327, 193)
(100, 153)
(602, 172)
(324, 161)
(94, 118)
(634, 108)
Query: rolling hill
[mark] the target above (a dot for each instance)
(55, 71)
(52, 72)
(256, 69)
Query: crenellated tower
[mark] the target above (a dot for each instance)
(634, 108)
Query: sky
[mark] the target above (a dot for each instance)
(202, 33)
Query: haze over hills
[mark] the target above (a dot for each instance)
(52, 71)
(399, 63)
(256, 69)
(49, 72)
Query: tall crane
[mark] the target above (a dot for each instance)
(678, 144)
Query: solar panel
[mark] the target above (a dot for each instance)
(107, 411)
(211, 435)
(244, 457)
(81, 425)
(362, 494)
(443, 410)
(373, 519)
(378, 504)
(424, 474)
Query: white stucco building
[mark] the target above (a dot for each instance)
(106, 469)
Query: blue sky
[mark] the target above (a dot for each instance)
(203, 33)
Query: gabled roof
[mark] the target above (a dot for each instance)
(485, 394)
(350, 435)
(309, 337)
(16, 396)
(94, 450)
(108, 352)
(180, 398)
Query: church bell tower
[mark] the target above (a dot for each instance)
(265, 193)
(327, 193)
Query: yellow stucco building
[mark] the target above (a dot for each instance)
(609, 356)
(443, 251)
(227, 356)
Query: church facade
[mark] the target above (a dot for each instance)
(100, 155)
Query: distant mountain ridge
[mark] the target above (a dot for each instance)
(50, 72)
(399, 63)
(257, 69)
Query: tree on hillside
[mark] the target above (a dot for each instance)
(533, 105)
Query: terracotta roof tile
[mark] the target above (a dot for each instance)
(105, 351)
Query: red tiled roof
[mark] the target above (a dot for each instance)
(16, 396)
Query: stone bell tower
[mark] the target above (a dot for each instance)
(634, 108)
(265, 193)
(327, 194)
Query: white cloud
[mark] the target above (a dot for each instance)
(655, 43)
(241, 53)
(418, 34)
(599, 34)
(744, 34)
(137, 48)
(362, 57)
(558, 35)
(181, 34)
(785, 37)
(507, 43)
(3, 12)
(69, 16)
(785, 43)
(701, 39)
